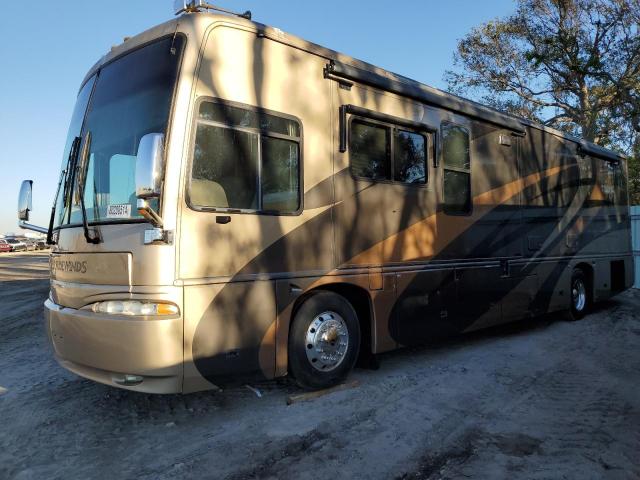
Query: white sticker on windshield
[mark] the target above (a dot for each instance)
(119, 211)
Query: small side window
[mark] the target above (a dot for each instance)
(280, 184)
(457, 170)
(370, 150)
(410, 159)
(455, 146)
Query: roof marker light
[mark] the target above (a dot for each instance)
(192, 6)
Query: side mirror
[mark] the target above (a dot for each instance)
(150, 166)
(24, 200)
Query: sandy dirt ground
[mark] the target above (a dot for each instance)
(543, 399)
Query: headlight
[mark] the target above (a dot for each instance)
(134, 307)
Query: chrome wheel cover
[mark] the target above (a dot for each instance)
(327, 341)
(579, 295)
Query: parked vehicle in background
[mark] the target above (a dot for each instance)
(16, 245)
(41, 245)
(4, 246)
(31, 245)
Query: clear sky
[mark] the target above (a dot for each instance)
(49, 45)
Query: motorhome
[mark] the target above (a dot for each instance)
(237, 203)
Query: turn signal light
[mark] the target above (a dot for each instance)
(134, 307)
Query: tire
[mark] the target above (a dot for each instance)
(580, 295)
(325, 322)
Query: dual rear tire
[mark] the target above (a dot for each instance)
(324, 340)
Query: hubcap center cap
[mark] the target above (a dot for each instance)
(331, 335)
(327, 341)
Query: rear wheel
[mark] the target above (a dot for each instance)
(580, 295)
(324, 341)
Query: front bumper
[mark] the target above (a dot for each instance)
(108, 348)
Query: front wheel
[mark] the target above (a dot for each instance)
(580, 298)
(324, 341)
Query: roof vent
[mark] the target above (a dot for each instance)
(193, 6)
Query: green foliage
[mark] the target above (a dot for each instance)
(570, 64)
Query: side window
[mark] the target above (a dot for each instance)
(610, 188)
(457, 169)
(372, 155)
(620, 183)
(370, 150)
(280, 175)
(245, 160)
(410, 159)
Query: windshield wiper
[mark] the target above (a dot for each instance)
(64, 177)
(91, 236)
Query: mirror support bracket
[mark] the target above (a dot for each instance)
(157, 236)
(149, 213)
(28, 226)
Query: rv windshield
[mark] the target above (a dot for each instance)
(124, 101)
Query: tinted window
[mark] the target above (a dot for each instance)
(225, 169)
(410, 158)
(610, 187)
(455, 146)
(457, 169)
(620, 182)
(240, 165)
(456, 191)
(280, 175)
(369, 151)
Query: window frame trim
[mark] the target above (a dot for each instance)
(443, 124)
(391, 128)
(259, 133)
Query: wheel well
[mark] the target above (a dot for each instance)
(360, 301)
(588, 273)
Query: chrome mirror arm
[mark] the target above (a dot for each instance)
(28, 226)
(149, 213)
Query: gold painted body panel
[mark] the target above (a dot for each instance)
(266, 74)
(234, 334)
(104, 347)
(229, 314)
(111, 268)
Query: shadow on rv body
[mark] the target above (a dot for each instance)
(351, 203)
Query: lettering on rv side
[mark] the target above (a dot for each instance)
(58, 265)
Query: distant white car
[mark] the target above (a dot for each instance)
(16, 245)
